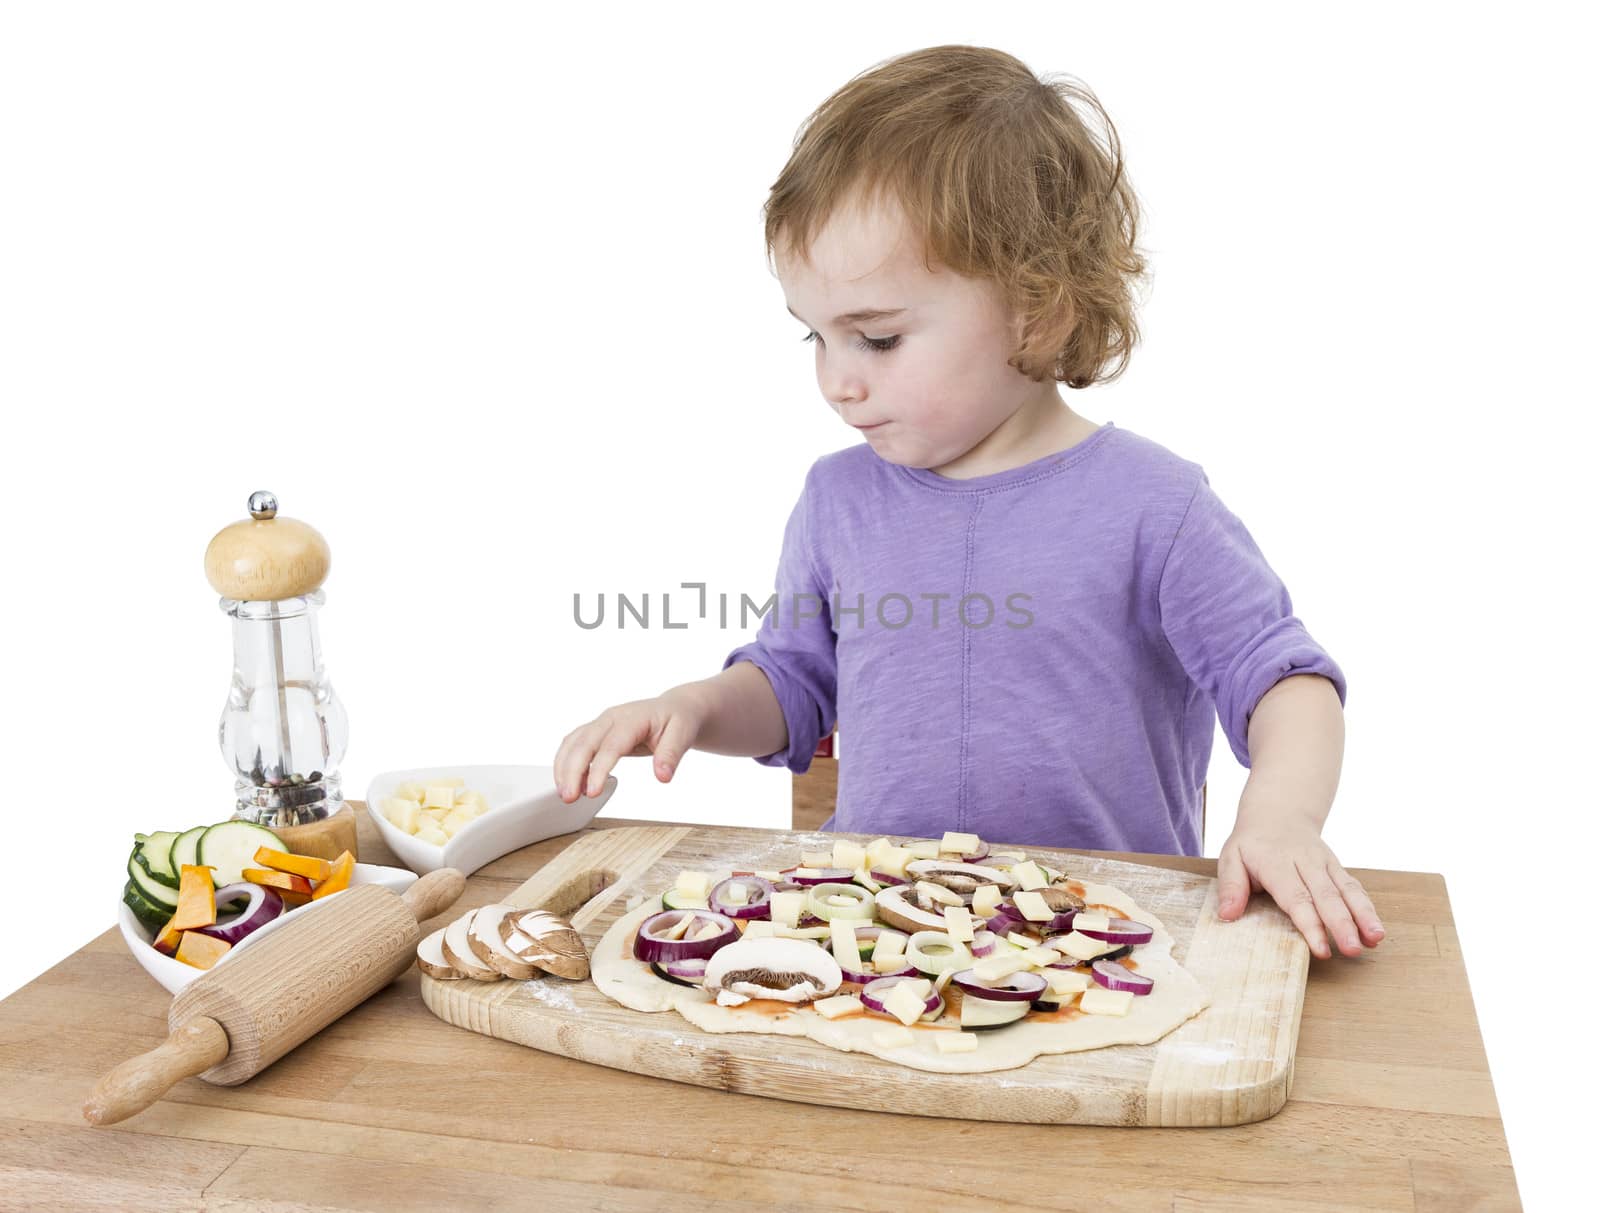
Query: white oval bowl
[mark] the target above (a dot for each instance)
(174, 974)
(524, 808)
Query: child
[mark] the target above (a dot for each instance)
(1026, 622)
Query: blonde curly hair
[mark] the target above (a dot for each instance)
(1003, 180)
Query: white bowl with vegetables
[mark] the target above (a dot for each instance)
(463, 817)
(245, 911)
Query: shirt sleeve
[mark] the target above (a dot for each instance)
(794, 647)
(1229, 619)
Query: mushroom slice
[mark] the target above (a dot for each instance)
(430, 958)
(1061, 899)
(963, 878)
(483, 937)
(542, 939)
(790, 970)
(458, 951)
(895, 907)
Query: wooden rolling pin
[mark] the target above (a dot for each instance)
(236, 1019)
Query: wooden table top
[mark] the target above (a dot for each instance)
(391, 1109)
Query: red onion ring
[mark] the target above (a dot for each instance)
(1124, 931)
(649, 946)
(1115, 977)
(262, 905)
(885, 878)
(756, 907)
(823, 876)
(1019, 987)
(866, 979)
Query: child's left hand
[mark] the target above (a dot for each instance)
(1291, 862)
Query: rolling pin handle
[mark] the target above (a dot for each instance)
(434, 893)
(138, 1082)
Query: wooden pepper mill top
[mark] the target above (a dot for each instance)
(266, 558)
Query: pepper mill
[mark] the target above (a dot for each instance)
(283, 730)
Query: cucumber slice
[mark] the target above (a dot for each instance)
(153, 891)
(184, 848)
(155, 856)
(151, 916)
(230, 847)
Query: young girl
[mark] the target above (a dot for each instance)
(1024, 622)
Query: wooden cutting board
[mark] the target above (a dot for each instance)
(1231, 1064)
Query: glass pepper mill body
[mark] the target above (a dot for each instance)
(283, 730)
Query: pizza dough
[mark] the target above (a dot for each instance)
(1175, 997)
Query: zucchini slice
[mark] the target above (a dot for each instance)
(152, 890)
(155, 856)
(230, 847)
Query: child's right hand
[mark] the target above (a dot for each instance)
(665, 726)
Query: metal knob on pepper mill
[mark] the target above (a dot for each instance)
(244, 1013)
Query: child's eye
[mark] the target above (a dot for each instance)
(881, 345)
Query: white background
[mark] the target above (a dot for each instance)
(479, 292)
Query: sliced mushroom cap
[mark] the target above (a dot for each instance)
(547, 942)
(791, 970)
(895, 905)
(1060, 899)
(958, 877)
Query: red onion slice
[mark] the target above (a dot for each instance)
(866, 979)
(261, 906)
(1124, 931)
(1115, 977)
(694, 966)
(984, 942)
(1019, 987)
(759, 905)
(885, 878)
(649, 946)
(823, 876)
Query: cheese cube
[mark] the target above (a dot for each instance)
(905, 1002)
(890, 945)
(839, 1004)
(1084, 921)
(986, 900)
(816, 859)
(1000, 965)
(759, 928)
(845, 950)
(409, 791)
(737, 894)
(847, 854)
(892, 861)
(888, 964)
(938, 893)
(864, 878)
(403, 813)
(438, 796)
(956, 1042)
(1067, 981)
(677, 929)
(786, 907)
(454, 820)
(1042, 956)
(1023, 940)
(958, 923)
(922, 849)
(775, 877)
(958, 844)
(1028, 874)
(1080, 947)
(892, 1038)
(1033, 907)
(875, 849)
(1101, 1001)
(694, 884)
(432, 835)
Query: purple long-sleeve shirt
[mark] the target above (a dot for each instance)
(1035, 656)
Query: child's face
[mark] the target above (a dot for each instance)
(938, 384)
